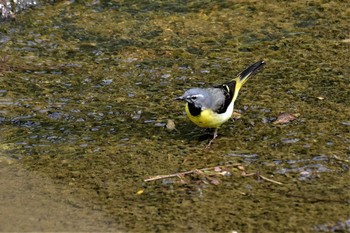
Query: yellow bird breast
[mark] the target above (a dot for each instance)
(209, 119)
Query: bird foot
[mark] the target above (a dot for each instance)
(212, 140)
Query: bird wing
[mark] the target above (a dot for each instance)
(223, 94)
(230, 90)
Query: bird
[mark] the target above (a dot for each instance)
(213, 106)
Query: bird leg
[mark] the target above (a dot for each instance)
(211, 141)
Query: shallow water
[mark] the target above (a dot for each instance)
(87, 88)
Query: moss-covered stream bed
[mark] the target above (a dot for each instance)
(87, 114)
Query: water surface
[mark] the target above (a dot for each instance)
(87, 87)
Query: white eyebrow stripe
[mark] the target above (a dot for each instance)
(198, 95)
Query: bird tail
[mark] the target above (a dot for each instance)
(245, 75)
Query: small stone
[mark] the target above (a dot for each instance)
(170, 125)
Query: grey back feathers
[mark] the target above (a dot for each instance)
(212, 98)
(218, 98)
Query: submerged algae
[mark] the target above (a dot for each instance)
(88, 86)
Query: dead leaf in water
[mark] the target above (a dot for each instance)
(215, 181)
(285, 117)
(236, 116)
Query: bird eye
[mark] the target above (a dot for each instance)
(194, 97)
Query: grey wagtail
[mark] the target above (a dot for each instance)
(213, 106)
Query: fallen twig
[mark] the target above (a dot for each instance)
(217, 170)
(270, 180)
(340, 159)
(181, 174)
(160, 177)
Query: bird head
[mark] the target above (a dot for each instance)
(196, 96)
